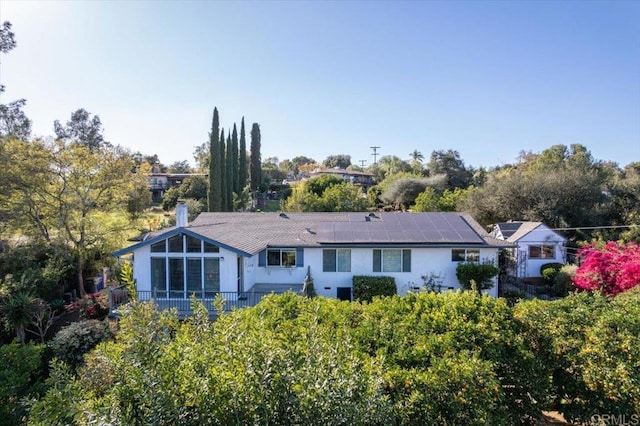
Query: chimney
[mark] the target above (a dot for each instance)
(182, 214)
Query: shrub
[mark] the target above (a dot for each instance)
(611, 270)
(78, 338)
(562, 283)
(592, 344)
(365, 287)
(20, 377)
(480, 273)
(548, 271)
(454, 358)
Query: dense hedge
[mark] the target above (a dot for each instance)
(593, 344)
(457, 358)
(366, 287)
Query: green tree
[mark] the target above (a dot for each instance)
(229, 168)
(416, 161)
(81, 129)
(13, 121)
(215, 163)
(339, 161)
(16, 310)
(63, 194)
(255, 171)
(224, 184)
(201, 157)
(243, 177)
(450, 164)
(427, 201)
(235, 161)
(180, 167)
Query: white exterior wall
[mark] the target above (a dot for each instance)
(423, 262)
(541, 236)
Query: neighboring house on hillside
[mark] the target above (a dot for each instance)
(241, 255)
(363, 179)
(158, 183)
(536, 243)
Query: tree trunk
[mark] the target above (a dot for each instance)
(80, 276)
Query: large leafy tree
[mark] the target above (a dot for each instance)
(340, 161)
(63, 193)
(215, 163)
(180, 167)
(450, 164)
(13, 121)
(563, 188)
(326, 193)
(81, 129)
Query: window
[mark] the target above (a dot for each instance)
(336, 260)
(391, 260)
(210, 248)
(159, 247)
(211, 276)
(542, 252)
(281, 257)
(183, 272)
(194, 245)
(159, 276)
(465, 255)
(176, 244)
(194, 276)
(176, 277)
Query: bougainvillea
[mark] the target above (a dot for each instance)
(612, 269)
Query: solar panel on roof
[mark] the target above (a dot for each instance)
(400, 228)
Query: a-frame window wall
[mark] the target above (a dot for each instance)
(183, 265)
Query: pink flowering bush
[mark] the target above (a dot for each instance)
(611, 270)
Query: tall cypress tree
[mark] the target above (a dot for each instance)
(229, 175)
(256, 163)
(234, 161)
(215, 187)
(223, 173)
(242, 159)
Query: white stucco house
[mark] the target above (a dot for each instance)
(240, 255)
(536, 244)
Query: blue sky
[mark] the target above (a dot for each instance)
(486, 78)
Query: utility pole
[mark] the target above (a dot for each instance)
(375, 154)
(362, 163)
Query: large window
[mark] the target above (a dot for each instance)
(465, 255)
(542, 252)
(183, 265)
(391, 260)
(336, 260)
(281, 257)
